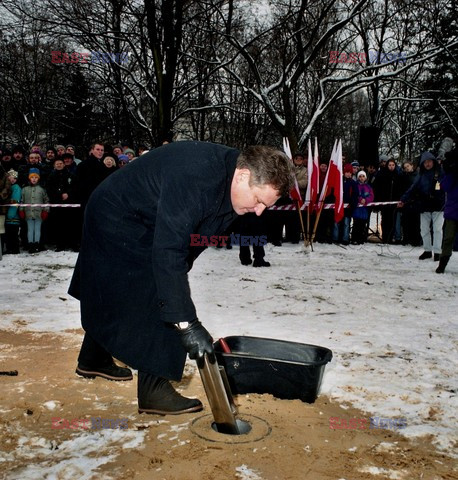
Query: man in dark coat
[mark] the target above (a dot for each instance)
(131, 274)
(431, 199)
(89, 174)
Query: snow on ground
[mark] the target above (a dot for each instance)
(389, 319)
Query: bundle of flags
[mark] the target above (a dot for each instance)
(333, 181)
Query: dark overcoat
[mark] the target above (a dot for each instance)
(131, 274)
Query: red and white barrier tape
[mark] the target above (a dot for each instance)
(65, 205)
(326, 206)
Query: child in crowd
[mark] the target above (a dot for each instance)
(361, 213)
(341, 233)
(34, 194)
(109, 164)
(12, 215)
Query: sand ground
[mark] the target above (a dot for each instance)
(289, 440)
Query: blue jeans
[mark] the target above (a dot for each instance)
(33, 230)
(341, 231)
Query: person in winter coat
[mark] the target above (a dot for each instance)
(361, 213)
(350, 195)
(449, 184)
(12, 222)
(89, 174)
(34, 162)
(34, 193)
(431, 198)
(387, 187)
(5, 192)
(63, 221)
(410, 213)
(131, 273)
(109, 166)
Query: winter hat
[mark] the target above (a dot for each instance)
(355, 164)
(129, 150)
(12, 173)
(362, 173)
(348, 168)
(34, 172)
(426, 156)
(59, 146)
(123, 158)
(383, 158)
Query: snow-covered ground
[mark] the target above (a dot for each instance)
(389, 319)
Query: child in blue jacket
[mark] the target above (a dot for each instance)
(12, 221)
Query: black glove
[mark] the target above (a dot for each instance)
(197, 342)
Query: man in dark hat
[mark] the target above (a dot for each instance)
(131, 274)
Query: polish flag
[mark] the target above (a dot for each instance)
(313, 170)
(336, 182)
(294, 193)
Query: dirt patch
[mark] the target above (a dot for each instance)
(51, 417)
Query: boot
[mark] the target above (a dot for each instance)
(425, 255)
(109, 372)
(442, 264)
(245, 260)
(437, 257)
(157, 396)
(260, 262)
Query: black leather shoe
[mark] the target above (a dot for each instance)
(163, 399)
(261, 263)
(245, 261)
(437, 257)
(112, 372)
(425, 255)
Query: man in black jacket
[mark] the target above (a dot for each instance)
(131, 274)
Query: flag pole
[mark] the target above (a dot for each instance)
(318, 216)
(298, 208)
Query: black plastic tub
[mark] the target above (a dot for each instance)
(287, 370)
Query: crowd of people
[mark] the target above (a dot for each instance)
(415, 194)
(54, 176)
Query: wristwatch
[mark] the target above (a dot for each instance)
(182, 325)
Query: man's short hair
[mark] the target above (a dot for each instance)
(268, 166)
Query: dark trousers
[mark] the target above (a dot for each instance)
(12, 238)
(450, 232)
(410, 221)
(358, 233)
(93, 355)
(388, 223)
(293, 226)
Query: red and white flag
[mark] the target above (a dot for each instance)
(313, 171)
(325, 189)
(294, 193)
(336, 180)
(333, 181)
